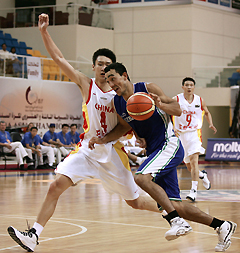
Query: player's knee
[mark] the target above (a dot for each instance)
(141, 179)
(54, 190)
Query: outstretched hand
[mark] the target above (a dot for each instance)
(43, 22)
(94, 140)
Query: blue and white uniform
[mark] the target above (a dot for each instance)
(164, 149)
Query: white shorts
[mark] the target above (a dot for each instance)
(116, 175)
(192, 143)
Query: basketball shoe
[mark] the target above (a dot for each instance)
(224, 235)
(192, 195)
(27, 240)
(206, 182)
(179, 227)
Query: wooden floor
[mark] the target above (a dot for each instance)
(89, 220)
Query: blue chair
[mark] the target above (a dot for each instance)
(7, 36)
(17, 50)
(9, 43)
(1, 34)
(234, 79)
(22, 44)
(1, 42)
(15, 43)
(23, 51)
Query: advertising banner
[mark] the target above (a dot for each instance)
(223, 150)
(34, 68)
(42, 102)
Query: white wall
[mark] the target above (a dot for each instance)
(73, 41)
(7, 4)
(164, 43)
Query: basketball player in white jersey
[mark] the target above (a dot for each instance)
(188, 128)
(107, 162)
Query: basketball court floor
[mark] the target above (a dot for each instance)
(89, 220)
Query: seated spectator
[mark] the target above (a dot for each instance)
(135, 153)
(29, 126)
(17, 147)
(130, 144)
(64, 139)
(4, 54)
(50, 137)
(33, 141)
(135, 159)
(235, 78)
(16, 64)
(74, 135)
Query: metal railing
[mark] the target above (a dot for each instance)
(58, 15)
(217, 76)
(49, 70)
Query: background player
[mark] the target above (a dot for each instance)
(188, 128)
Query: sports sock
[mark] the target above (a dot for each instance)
(38, 227)
(171, 215)
(194, 185)
(201, 174)
(216, 223)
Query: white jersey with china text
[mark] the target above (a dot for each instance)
(192, 114)
(99, 119)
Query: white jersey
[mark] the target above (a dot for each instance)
(99, 119)
(192, 114)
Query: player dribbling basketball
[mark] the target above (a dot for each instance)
(164, 149)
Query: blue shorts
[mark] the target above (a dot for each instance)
(162, 165)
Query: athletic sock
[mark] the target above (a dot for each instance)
(216, 223)
(194, 185)
(38, 227)
(171, 215)
(201, 174)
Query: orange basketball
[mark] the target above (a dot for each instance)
(140, 106)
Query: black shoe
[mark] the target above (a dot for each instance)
(31, 167)
(41, 167)
(22, 167)
(28, 159)
(51, 167)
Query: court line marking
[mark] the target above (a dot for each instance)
(117, 223)
(49, 239)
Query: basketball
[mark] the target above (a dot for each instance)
(140, 106)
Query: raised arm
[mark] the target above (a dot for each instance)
(79, 78)
(165, 103)
(208, 116)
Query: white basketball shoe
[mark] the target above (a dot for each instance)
(179, 227)
(224, 235)
(27, 240)
(206, 182)
(192, 195)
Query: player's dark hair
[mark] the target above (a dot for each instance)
(118, 67)
(73, 125)
(65, 125)
(103, 52)
(188, 79)
(33, 128)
